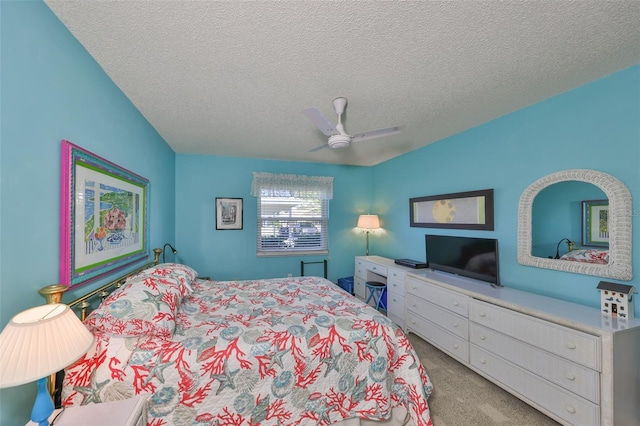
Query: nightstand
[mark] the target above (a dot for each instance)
(127, 412)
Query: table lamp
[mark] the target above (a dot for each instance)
(368, 223)
(37, 343)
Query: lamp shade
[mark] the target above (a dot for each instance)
(368, 221)
(41, 341)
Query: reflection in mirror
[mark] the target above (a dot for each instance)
(554, 223)
(557, 220)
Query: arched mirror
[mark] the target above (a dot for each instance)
(552, 207)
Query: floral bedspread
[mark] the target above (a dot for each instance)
(292, 351)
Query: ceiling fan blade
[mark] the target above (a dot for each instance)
(320, 121)
(318, 148)
(359, 137)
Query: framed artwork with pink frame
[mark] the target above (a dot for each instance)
(103, 216)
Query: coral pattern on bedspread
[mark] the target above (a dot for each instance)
(588, 256)
(291, 351)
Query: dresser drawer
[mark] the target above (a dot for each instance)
(571, 376)
(432, 333)
(358, 288)
(454, 323)
(571, 344)
(567, 406)
(395, 286)
(450, 300)
(375, 268)
(395, 304)
(395, 280)
(361, 269)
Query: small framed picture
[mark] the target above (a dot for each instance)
(595, 223)
(228, 213)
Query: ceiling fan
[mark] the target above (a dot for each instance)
(338, 138)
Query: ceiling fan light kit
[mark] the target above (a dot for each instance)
(339, 141)
(338, 137)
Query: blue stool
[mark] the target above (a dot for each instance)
(376, 291)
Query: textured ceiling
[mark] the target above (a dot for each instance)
(232, 78)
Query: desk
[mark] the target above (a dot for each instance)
(382, 269)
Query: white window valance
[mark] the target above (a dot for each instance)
(299, 186)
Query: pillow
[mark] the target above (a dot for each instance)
(145, 305)
(183, 273)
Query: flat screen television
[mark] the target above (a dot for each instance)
(465, 256)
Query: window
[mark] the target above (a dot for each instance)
(293, 213)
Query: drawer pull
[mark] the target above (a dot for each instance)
(456, 303)
(570, 345)
(570, 376)
(483, 337)
(570, 409)
(455, 346)
(455, 324)
(414, 305)
(483, 361)
(482, 314)
(414, 287)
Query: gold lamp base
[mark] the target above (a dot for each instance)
(53, 293)
(367, 251)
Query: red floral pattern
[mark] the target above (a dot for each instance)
(281, 351)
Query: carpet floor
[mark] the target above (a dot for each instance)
(461, 397)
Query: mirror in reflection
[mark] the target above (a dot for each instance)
(559, 229)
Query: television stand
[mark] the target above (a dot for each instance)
(564, 359)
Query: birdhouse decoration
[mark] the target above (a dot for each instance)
(616, 300)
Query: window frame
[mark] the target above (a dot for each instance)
(282, 231)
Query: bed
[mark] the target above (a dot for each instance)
(600, 257)
(290, 351)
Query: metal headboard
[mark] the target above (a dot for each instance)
(53, 294)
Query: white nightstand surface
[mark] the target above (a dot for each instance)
(128, 412)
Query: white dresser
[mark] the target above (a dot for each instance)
(565, 359)
(381, 269)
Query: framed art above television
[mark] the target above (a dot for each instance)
(461, 210)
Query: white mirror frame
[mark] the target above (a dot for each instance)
(619, 266)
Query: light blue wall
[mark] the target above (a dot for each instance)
(596, 126)
(231, 254)
(51, 89)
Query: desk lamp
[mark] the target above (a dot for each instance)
(368, 223)
(37, 343)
